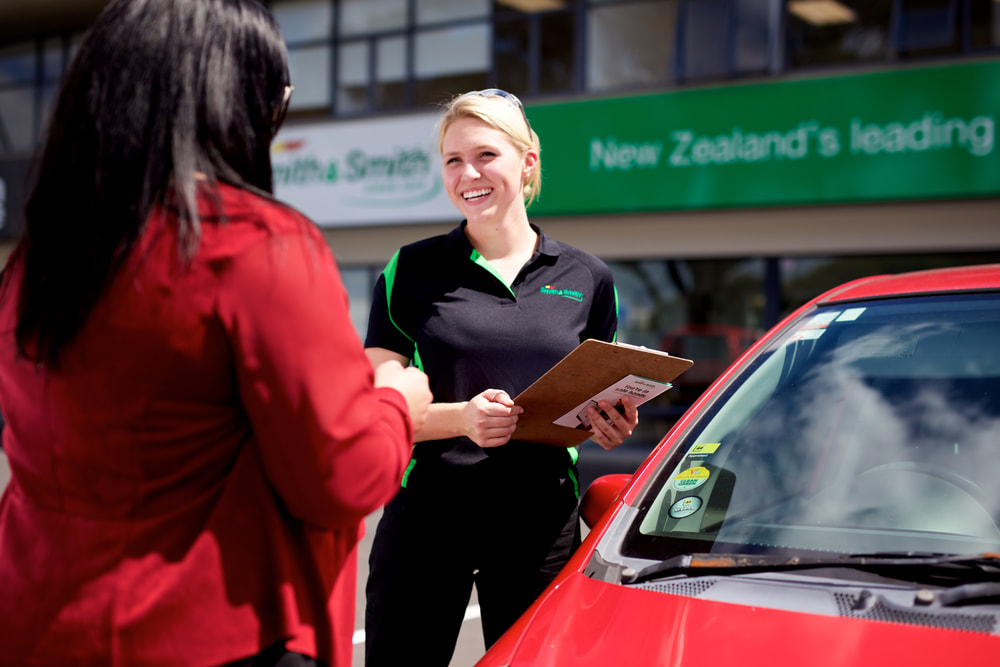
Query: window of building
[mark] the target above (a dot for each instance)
(706, 39)
(512, 54)
(17, 64)
(309, 68)
(18, 114)
(451, 60)
(386, 55)
(359, 281)
(681, 41)
(452, 50)
(630, 45)
(557, 48)
(353, 64)
(390, 72)
(754, 37)
(443, 11)
(365, 17)
(306, 27)
(833, 33)
(16, 120)
(829, 32)
(537, 48)
(924, 27)
(366, 57)
(304, 20)
(984, 32)
(54, 59)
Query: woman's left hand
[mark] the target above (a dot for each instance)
(623, 423)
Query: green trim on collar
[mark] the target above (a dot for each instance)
(483, 262)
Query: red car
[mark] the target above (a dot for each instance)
(832, 500)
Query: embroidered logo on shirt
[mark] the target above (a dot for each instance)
(565, 293)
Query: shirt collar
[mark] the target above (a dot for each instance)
(546, 244)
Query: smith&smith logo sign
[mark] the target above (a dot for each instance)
(381, 171)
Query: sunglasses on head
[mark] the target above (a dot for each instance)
(510, 98)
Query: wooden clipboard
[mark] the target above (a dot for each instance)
(585, 372)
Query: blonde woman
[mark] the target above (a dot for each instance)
(484, 311)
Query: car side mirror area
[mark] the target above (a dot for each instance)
(600, 496)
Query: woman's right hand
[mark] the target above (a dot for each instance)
(411, 383)
(490, 418)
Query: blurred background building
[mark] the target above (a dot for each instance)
(727, 158)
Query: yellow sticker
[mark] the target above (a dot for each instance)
(691, 478)
(704, 449)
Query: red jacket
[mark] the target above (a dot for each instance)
(188, 487)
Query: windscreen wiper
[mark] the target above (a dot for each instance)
(911, 566)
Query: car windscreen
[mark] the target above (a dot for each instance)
(867, 427)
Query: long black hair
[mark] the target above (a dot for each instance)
(162, 94)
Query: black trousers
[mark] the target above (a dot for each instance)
(507, 536)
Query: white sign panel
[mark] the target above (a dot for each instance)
(375, 171)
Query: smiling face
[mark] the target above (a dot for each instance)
(483, 171)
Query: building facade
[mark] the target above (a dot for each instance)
(727, 158)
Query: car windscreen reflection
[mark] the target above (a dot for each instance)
(869, 428)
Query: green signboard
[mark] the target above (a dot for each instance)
(904, 134)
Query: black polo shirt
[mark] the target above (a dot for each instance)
(439, 303)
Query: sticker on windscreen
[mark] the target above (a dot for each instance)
(685, 507)
(814, 327)
(806, 334)
(691, 478)
(821, 320)
(850, 314)
(703, 450)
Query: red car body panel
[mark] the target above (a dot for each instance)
(579, 621)
(959, 279)
(589, 623)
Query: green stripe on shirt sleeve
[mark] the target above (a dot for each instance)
(389, 273)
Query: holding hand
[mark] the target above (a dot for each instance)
(623, 423)
(490, 418)
(411, 383)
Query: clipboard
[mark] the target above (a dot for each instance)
(584, 373)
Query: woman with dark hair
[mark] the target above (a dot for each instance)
(193, 429)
